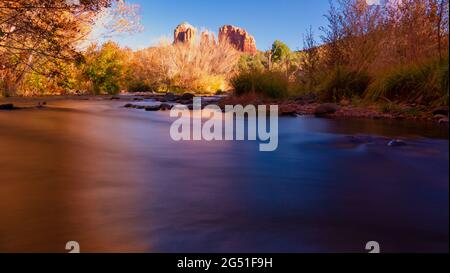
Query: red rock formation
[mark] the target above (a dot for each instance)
(184, 33)
(207, 38)
(239, 38)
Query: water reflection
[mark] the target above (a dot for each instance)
(112, 179)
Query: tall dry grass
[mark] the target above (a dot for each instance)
(426, 83)
(201, 66)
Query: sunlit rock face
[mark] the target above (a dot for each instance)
(238, 37)
(207, 38)
(184, 33)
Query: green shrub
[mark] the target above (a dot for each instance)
(425, 84)
(105, 68)
(243, 83)
(252, 62)
(266, 83)
(343, 83)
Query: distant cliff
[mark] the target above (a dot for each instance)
(238, 37)
(184, 33)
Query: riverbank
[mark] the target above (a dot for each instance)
(303, 105)
(310, 105)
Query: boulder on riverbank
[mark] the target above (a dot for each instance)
(326, 109)
(7, 106)
(443, 110)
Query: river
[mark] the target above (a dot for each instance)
(113, 180)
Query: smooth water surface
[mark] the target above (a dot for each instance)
(112, 179)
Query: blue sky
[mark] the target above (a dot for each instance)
(266, 20)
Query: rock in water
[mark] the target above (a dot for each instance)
(238, 38)
(152, 108)
(396, 143)
(165, 106)
(169, 97)
(439, 116)
(187, 96)
(184, 33)
(8, 106)
(325, 109)
(443, 110)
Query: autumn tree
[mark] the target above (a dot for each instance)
(106, 68)
(372, 37)
(310, 60)
(34, 33)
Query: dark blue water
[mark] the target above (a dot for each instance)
(113, 180)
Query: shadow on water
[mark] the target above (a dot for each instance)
(113, 180)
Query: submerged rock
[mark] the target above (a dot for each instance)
(325, 109)
(361, 139)
(396, 143)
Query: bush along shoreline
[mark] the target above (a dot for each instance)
(413, 92)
